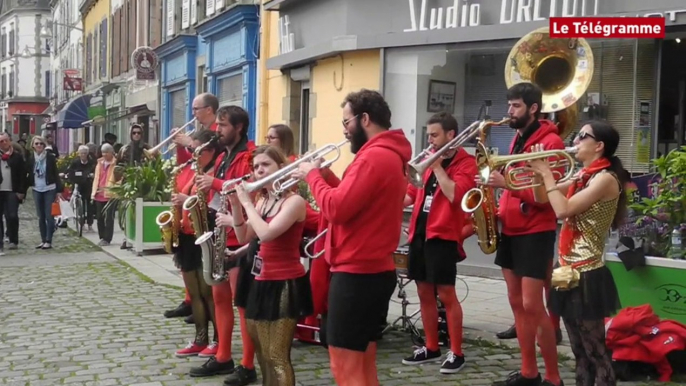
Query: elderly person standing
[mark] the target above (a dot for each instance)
(81, 173)
(13, 185)
(47, 187)
(103, 179)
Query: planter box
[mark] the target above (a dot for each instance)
(661, 283)
(141, 228)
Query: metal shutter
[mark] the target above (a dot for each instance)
(230, 90)
(177, 101)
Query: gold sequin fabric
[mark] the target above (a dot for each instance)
(273, 340)
(592, 227)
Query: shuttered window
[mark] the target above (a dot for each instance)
(155, 31)
(209, 7)
(171, 8)
(116, 43)
(194, 12)
(133, 29)
(230, 90)
(185, 14)
(123, 45)
(177, 102)
(103, 49)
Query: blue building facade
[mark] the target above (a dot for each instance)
(177, 58)
(231, 52)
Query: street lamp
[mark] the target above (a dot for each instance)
(26, 53)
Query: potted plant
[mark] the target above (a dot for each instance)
(660, 282)
(141, 194)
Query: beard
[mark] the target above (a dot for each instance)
(357, 139)
(520, 123)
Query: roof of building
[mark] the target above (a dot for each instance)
(11, 5)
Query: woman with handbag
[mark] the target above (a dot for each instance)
(280, 293)
(47, 187)
(583, 291)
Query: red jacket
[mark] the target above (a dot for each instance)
(445, 220)
(637, 334)
(536, 217)
(182, 152)
(365, 212)
(239, 167)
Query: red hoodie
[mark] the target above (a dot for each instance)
(239, 167)
(445, 220)
(365, 212)
(536, 217)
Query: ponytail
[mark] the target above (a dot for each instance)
(624, 178)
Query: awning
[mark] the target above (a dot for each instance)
(74, 113)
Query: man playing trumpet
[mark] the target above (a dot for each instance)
(435, 236)
(527, 242)
(205, 113)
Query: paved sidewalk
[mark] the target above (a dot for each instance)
(484, 300)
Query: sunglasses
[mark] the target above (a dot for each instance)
(583, 135)
(39, 144)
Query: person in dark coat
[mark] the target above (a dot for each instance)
(47, 188)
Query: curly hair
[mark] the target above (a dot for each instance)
(371, 103)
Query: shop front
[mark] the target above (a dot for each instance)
(449, 55)
(177, 59)
(231, 58)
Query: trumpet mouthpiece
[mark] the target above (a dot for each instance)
(572, 149)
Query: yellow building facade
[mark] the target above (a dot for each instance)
(308, 96)
(96, 36)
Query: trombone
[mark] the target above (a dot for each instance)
(150, 153)
(281, 181)
(424, 160)
(311, 245)
(521, 177)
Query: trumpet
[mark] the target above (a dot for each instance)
(424, 160)
(519, 177)
(281, 181)
(150, 153)
(311, 244)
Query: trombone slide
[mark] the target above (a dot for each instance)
(311, 245)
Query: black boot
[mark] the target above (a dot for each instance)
(182, 310)
(510, 333)
(189, 319)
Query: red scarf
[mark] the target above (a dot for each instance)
(569, 231)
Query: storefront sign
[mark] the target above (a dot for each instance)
(144, 60)
(467, 13)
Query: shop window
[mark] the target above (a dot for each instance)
(177, 102)
(230, 90)
(468, 81)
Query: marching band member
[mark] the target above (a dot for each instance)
(281, 136)
(365, 218)
(205, 111)
(188, 255)
(280, 293)
(232, 128)
(590, 205)
(205, 108)
(436, 228)
(527, 242)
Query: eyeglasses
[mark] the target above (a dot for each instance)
(199, 108)
(346, 121)
(39, 144)
(583, 135)
(270, 138)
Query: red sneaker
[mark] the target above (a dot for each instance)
(192, 349)
(209, 351)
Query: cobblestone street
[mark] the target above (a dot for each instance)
(77, 316)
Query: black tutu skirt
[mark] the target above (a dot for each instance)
(245, 280)
(595, 298)
(278, 299)
(187, 256)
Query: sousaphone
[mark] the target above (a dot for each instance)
(562, 68)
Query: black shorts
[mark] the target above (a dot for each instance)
(187, 256)
(433, 261)
(358, 305)
(527, 255)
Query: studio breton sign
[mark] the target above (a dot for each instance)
(463, 13)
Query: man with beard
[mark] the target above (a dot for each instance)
(365, 214)
(435, 236)
(235, 162)
(527, 242)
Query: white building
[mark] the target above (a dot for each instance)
(25, 80)
(66, 35)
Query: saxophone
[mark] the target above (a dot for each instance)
(480, 201)
(213, 243)
(169, 221)
(196, 205)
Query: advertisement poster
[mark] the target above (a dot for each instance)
(642, 139)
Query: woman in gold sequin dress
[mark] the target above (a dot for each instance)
(590, 205)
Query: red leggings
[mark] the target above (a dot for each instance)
(319, 281)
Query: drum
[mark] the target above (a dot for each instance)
(401, 259)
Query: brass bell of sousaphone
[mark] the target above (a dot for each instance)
(561, 68)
